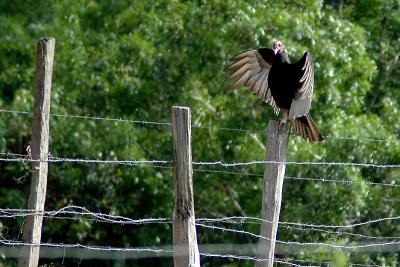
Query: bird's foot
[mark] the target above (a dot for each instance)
(282, 123)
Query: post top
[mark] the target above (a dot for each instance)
(180, 107)
(47, 39)
(274, 126)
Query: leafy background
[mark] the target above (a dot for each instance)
(134, 60)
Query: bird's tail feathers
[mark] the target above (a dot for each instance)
(307, 129)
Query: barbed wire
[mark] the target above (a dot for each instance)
(77, 210)
(329, 263)
(328, 180)
(309, 163)
(123, 220)
(231, 256)
(88, 247)
(168, 251)
(53, 159)
(318, 179)
(242, 219)
(107, 218)
(339, 233)
(9, 154)
(95, 118)
(117, 219)
(145, 122)
(23, 157)
(362, 139)
(303, 244)
(139, 250)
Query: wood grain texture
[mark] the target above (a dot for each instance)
(39, 151)
(272, 190)
(186, 252)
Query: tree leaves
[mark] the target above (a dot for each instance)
(136, 60)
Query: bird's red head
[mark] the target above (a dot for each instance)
(277, 46)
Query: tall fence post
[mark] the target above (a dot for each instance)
(277, 144)
(186, 252)
(39, 151)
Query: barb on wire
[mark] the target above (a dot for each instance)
(19, 112)
(9, 154)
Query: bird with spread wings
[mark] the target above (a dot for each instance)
(285, 86)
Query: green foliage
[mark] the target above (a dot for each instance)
(135, 60)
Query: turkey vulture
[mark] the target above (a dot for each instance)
(269, 74)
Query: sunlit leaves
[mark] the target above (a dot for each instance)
(136, 59)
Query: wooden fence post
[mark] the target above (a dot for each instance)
(186, 252)
(39, 151)
(277, 144)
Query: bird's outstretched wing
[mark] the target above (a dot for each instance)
(251, 69)
(304, 70)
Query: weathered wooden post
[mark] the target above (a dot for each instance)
(277, 144)
(39, 151)
(186, 252)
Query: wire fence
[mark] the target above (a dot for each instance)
(387, 243)
(13, 157)
(117, 219)
(379, 243)
(77, 213)
(158, 123)
(150, 251)
(89, 251)
(53, 159)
